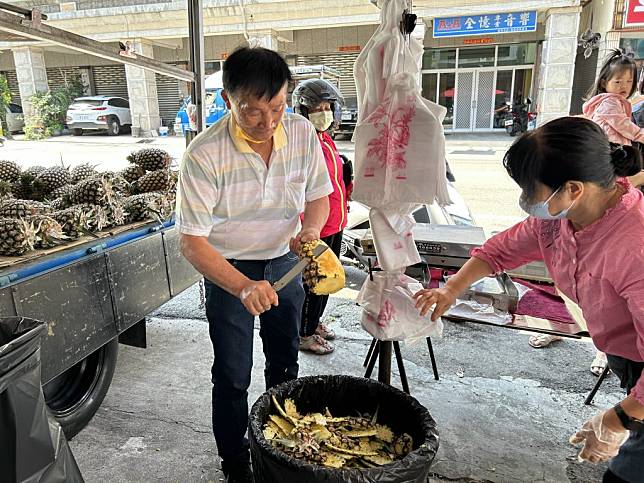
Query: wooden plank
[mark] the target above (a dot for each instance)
(31, 256)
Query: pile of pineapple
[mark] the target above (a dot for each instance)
(44, 207)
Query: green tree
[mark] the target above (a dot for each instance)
(50, 108)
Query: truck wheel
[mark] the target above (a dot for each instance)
(74, 396)
(113, 126)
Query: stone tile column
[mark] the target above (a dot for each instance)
(142, 92)
(32, 75)
(558, 63)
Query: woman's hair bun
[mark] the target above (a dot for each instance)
(626, 160)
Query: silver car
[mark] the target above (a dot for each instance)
(99, 113)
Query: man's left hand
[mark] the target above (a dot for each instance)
(305, 235)
(601, 437)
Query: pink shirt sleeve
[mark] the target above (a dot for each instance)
(513, 247)
(612, 113)
(630, 286)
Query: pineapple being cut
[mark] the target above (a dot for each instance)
(325, 274)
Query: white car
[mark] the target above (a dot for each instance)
(99, 113)
(358, 223)
(15, 118)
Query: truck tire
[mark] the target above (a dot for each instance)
(74, 396)
(77, 132)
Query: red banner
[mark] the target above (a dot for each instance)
(634, 13)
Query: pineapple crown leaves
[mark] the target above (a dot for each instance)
(26, 229)
(6, 188)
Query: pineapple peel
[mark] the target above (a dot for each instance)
(335, 442)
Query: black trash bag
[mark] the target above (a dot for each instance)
(33, 448)
(344, 395)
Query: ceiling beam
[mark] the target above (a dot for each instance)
(35, 30)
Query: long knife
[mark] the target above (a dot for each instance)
(297, 269)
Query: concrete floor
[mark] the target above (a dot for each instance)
(504, 411)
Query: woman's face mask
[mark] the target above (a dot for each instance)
(540, 210)
(321, 120)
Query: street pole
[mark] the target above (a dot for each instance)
(195, 35)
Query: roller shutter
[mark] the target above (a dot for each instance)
(110, 80)
(169, 101)
(342, 62)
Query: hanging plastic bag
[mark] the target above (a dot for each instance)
(389, 310)
(400, 149)
(392, 237)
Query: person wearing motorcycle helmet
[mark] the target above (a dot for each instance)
(321, 103)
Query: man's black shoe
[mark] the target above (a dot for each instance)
(240, 473)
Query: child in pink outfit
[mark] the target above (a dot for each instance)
(608, 103)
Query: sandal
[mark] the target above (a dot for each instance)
(539, 341)
(315, 344)
(325, 332)
(599, 364)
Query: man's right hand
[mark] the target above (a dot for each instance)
(258, 297)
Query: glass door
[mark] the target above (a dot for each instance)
(439, 87)
(465, 100)
(484, 100)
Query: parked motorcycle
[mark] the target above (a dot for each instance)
(519, 119)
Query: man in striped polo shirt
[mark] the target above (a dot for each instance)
(243, 184)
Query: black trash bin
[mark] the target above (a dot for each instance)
(33, 448)
(344, 395)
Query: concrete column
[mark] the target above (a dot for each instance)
(142, 92)
(558, 63)
(32, 75)
(268, 40)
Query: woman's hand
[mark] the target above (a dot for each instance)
(443, 298)
(601, 437)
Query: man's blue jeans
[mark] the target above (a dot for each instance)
(231, 333)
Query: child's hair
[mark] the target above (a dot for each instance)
(617, 62)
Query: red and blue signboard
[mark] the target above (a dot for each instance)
(496, 23)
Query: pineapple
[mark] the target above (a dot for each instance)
(95, 191)
(132, 173)
(52, 178)
(324, 275)
(146, 205)
(61, 192)
(73, 221)
(82, 172)
(97, 217)
(49, 233)
(16, 236)
(23, 188)
(158, 180)
(116, 213)
(9, 171)
(23, 208)
(59, 204)
(151, 159)
(6, 191)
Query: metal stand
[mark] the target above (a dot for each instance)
(381, 351)
(591, 395)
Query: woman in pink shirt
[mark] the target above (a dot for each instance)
(587, 225)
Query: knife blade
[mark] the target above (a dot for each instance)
(297, 269)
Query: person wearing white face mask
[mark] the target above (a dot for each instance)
(320, 102)
(587, 225)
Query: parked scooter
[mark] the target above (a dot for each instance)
(519, 119)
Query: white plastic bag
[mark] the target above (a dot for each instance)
(392, 236)
(389, 311)
(400, 149)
